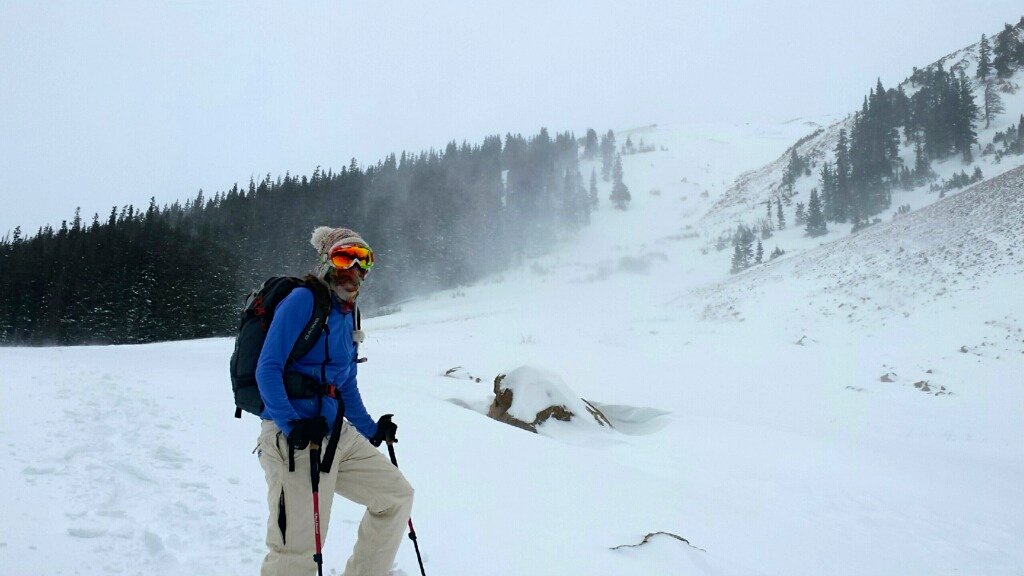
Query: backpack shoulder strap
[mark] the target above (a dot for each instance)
(316, 323)
(358, 336)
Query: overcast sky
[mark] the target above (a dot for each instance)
(113, 102)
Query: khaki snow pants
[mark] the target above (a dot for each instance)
(360, 473)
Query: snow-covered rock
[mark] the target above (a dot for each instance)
(528, 396)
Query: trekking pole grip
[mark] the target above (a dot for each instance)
(314, 466)
(391, 452)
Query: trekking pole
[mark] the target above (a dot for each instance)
(412, 530)
(314, 477)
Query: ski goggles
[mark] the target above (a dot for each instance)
(345, 257)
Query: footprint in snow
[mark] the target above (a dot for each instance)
(33, 471)
(154, 544)
(170, 456)
(111, 513)
(86, 532)
(133, 472)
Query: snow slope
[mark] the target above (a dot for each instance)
(744, 201)
(965, 243)
(783, 451)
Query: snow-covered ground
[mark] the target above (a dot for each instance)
(782, 452)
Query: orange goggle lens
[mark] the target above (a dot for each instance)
(346, 257)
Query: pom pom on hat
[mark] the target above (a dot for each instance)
(320, 235)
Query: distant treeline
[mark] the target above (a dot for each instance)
(436, 220)
(939, 118)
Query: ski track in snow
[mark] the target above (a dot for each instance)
(107, 461)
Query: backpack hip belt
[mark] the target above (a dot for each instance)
(299, 385)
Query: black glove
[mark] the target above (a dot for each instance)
(306, 430)
(386, 430)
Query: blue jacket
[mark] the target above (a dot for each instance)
(290, 317)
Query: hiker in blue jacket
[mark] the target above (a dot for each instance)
(358, 471)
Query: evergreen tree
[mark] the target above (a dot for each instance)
(906, 179)
(922, 166)
(1020, 42)
(1004, 52)
(759, 255)
(769, 216)
(828, 190)
(743, 252)
(984, 59)
(993, 103)
(739, 260)
(1020, 135)
(801, 214)
(815, 217)
(607, 155)
(967, 113)
(900, 109)
(592, 192)
(935, 107)
(886, 122)
(781, 216)
(856, 218)
(590, 145)
(794, 169)
(873, 151)
(620, 196)
(842, 198)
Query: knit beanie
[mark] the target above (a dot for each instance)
(325, 239)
